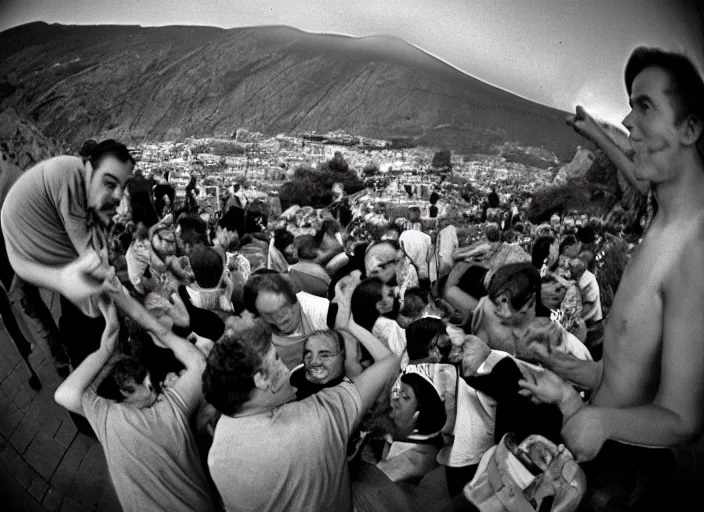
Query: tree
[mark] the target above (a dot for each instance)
(310, 187)
(338, 163)
(442, 160)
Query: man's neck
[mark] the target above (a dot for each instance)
(684, 195)
(264, 402)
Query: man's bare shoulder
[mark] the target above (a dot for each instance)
(689, 262)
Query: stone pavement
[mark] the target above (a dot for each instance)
(45, 464)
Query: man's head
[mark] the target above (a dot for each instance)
(417, 407)
(238, 365)
(271, 297)
(515, 292)
(324, 356)
(283, 241)
(570, 246)
(667, 112)
(306, 247)
(112, 167)
(230, 227)
(128, 382)
(207, 266)
(191, 231)
(380, 260)
(492, 231)
(414, 214)
(555, 222)
(393, 232)
(427, 339)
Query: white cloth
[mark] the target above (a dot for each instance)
(419, 248)
(476, 419)
(393, 336)
(446, 244)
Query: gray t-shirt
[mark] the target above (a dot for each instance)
(293, 458)
(45, 216)
(151, 453)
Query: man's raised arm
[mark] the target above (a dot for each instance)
(190, 356)
(372, 381)
(70, 393)
(587, 127)
(76, 281)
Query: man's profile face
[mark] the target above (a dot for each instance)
(278, 312)
(506, 313)
(107, 187)
(651, 124)
(322, 359)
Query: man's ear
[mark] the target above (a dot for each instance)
(693, 128)
(261, 381)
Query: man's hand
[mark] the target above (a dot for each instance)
(542, 386)
(85, 277)
(584, 433)
(471, 355)
(584, 124)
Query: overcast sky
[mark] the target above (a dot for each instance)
(557, 52)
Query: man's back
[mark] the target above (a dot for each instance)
(293, 458)
(151, 453)
(45, 212)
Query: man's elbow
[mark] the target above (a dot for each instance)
(65, 398)
(688, 430)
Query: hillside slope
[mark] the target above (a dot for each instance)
(161, 83)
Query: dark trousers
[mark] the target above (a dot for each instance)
(628, 478)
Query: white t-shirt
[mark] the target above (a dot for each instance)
(314, 317)
(292, 458)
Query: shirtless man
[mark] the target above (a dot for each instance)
(649, 387)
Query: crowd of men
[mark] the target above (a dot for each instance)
(254, 363)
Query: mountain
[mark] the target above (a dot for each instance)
(162, 83)
(21, 143)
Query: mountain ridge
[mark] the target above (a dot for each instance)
(159, 83)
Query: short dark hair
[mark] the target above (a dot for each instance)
(686, 84)
(415, 301)
(270, 283)
(307, 247)
(207, 266)
(282, 238)
(568, 241)
(430, 408)
(122, 376)
(519, 281)
(364, 299)
(233, 220)
(541, 250)
(95, 153)
(228, 378)
(194, 230)
(420, 335)
(492, 231)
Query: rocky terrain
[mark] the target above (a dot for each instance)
(164, 83)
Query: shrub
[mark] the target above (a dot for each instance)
(310, 187)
